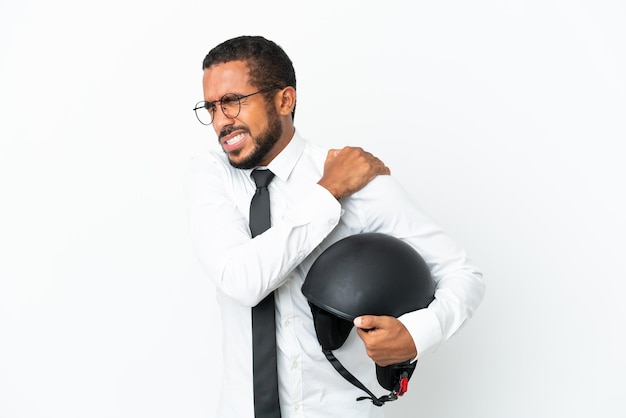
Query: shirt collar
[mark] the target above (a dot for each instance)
(283, 164)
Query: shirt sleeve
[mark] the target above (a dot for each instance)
(248, 269)
(459, 285)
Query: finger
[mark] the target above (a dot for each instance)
(381, 167)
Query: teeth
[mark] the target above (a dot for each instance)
(235, 139)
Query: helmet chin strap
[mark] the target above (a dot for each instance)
(378, 401)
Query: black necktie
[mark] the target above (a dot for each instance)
(264, 368)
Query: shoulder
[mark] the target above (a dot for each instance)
(213, 168)
(207, 161)
(214, 164)
(383, 185)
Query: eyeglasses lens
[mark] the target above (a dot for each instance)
(229, 103)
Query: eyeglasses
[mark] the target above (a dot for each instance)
(229, 103)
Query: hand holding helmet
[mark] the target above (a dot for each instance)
(386, 339)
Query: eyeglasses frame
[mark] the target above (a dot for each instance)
(204, 104)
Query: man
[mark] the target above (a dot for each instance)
(317, 197)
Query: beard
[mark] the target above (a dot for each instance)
(263, 142)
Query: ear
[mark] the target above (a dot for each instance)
(285, 101)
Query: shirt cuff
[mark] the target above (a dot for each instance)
(425, 330)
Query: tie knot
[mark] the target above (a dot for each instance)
(262, 178)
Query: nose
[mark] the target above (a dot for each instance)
(220, 120)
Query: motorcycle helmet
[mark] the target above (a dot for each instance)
(366, 274)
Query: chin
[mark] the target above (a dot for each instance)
(243, 162)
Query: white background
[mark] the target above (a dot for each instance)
(505, 120)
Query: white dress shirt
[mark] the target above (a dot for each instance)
(306, 219)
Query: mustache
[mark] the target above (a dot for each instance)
(227, 130)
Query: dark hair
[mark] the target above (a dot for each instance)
(268, 63)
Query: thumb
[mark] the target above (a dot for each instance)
(365, 322)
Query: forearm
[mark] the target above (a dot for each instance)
(456, 299)
(459, 290)
(459, 286)
(248, 269)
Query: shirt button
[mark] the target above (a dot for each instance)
(287, 322)
(295, 365)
